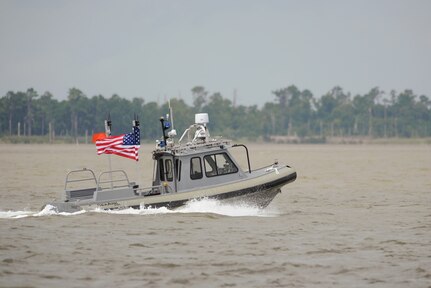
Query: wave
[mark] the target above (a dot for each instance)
(207, 206)
(48, 210)
(233, 210)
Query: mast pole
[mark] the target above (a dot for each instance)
(108, 126)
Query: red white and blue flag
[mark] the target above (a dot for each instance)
(126, 145)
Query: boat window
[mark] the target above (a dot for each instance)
(169, 172)
(161, 170)
(178, 169)
(219, 164)
(210, 166)
(195, 168)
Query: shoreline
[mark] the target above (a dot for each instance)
(359, 140)
(291, 140)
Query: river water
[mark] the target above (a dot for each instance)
(356, 216)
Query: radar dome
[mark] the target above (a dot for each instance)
(201, 118)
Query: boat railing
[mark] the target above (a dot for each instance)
(79, 187)
(246, 152)
(266, 167)
(114, 177)
(203, 145)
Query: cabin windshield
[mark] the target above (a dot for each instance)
(219, 164)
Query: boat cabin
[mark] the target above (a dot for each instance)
(202, 161)
(186, 170)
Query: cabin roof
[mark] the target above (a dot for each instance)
(194, 148)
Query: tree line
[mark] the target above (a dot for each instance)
(294, 113)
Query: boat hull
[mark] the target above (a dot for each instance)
(256, 191)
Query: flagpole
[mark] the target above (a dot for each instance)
(110, 171)
(108, 125)
(135, 123)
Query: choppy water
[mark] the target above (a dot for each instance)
(356, 216)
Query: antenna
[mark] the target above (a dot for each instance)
(135, 121)
(171, 113)
(173, 132)
(108, 125)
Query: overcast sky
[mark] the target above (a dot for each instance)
(158, 49)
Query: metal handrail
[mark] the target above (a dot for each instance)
(195, 146)
(246, 151)
(111, 180)
(67, 181)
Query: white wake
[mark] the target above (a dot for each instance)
(48, 210)
(211, 206)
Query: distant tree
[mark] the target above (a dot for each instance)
(287, 97)
(272, 119)
(150, 120)
(77, 108)
(46, 106)
(183, 114)
(405, 110)
(30, 95)
(335, 112)
(199, 97)
(294, 112)
(16, 106)
(220, 111)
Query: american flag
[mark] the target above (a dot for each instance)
(126, 145)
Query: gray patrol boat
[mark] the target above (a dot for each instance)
(196, 167)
